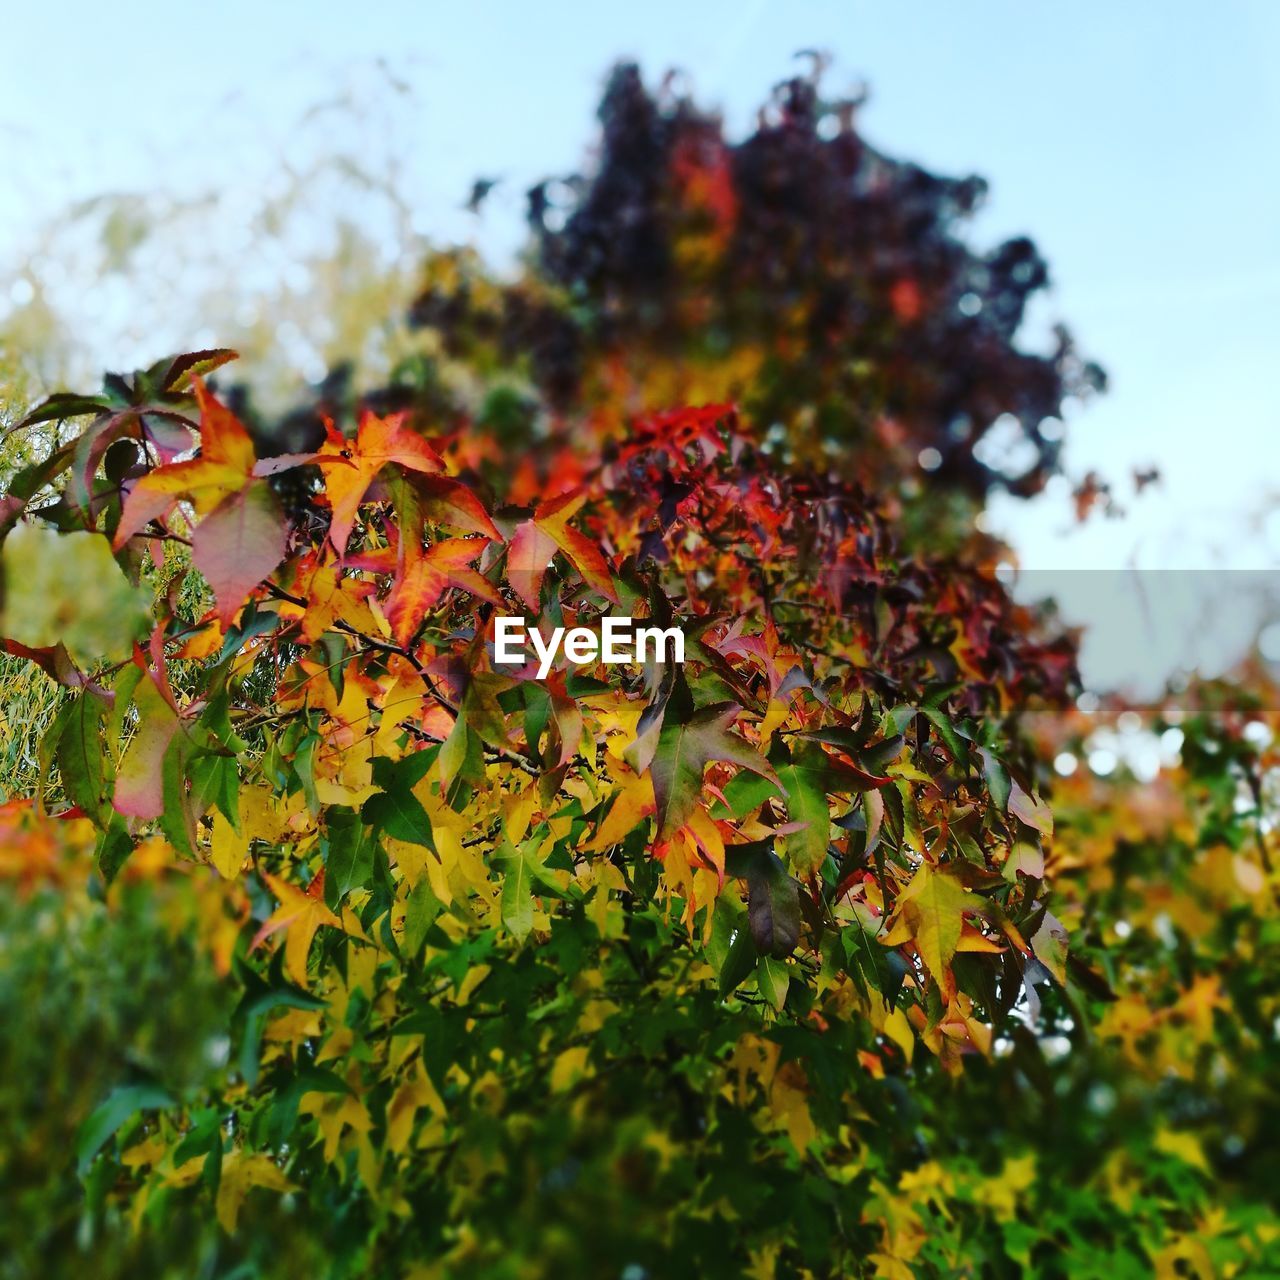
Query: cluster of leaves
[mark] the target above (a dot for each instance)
(477, 911)
(776, 963)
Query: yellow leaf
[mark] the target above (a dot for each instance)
(241, 1172)
(633, 802)
(227, 850)
(415, 1092)
(1182, 1146)
(932, 907)
(568, 1068)
(300, 915)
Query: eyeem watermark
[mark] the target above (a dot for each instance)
(619, 640)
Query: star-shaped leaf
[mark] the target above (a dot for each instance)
(685, 747)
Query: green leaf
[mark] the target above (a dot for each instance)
(685, 747)
(178, 819)
(997, 777)
(739, 960)
(421, 910)
(115, 845)
(517, 894)
(349, 859)
(773, 979)
(744, 794)
(396, 811)
(119, 1106)
(805, 780)
(193, 364)
(947, 732)
(66, 588)
(63, 405)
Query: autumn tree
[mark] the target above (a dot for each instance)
(749, 965)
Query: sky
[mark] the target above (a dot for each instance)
(1129, 140)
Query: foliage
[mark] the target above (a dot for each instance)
(777, 963)
(492, 888)
(800, 272)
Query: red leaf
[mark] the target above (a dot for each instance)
(238, 545)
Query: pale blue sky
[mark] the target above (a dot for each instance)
(1132, 141)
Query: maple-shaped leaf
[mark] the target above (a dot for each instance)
(687, 744)
(241, 1171)
(351, 466)
(427, 575)
(300, 914)
(632, 803)
(224, 467)
(331, 596)
(930, 912)
(241, 538)
(547, 531)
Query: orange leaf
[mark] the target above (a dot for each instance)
(351, 467)
(427, 576)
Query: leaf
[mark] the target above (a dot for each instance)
(741, 959)
(64, 405)
(228, 850)
(67, 589)
(449, 502)
(547, 531)
(773, 979)
(773, 897)
(113, 849)
(1050, 942)
(81, 757)
(947, 732)
(194, 365)
(426, 576)
(517, 895)
(139, 791)
(242, 1171)
(422, 907)
(351, 467)
(805, 781)
(299, 915)
(997, 776)
(349, 854)
(632, 803)
(743, 795)
(238, 545)
(223, 469)
(685, 747)
(120, 1105)
(528, 557)
(930, 910)
(1030, 810)
(396, 811)
(732, 952)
